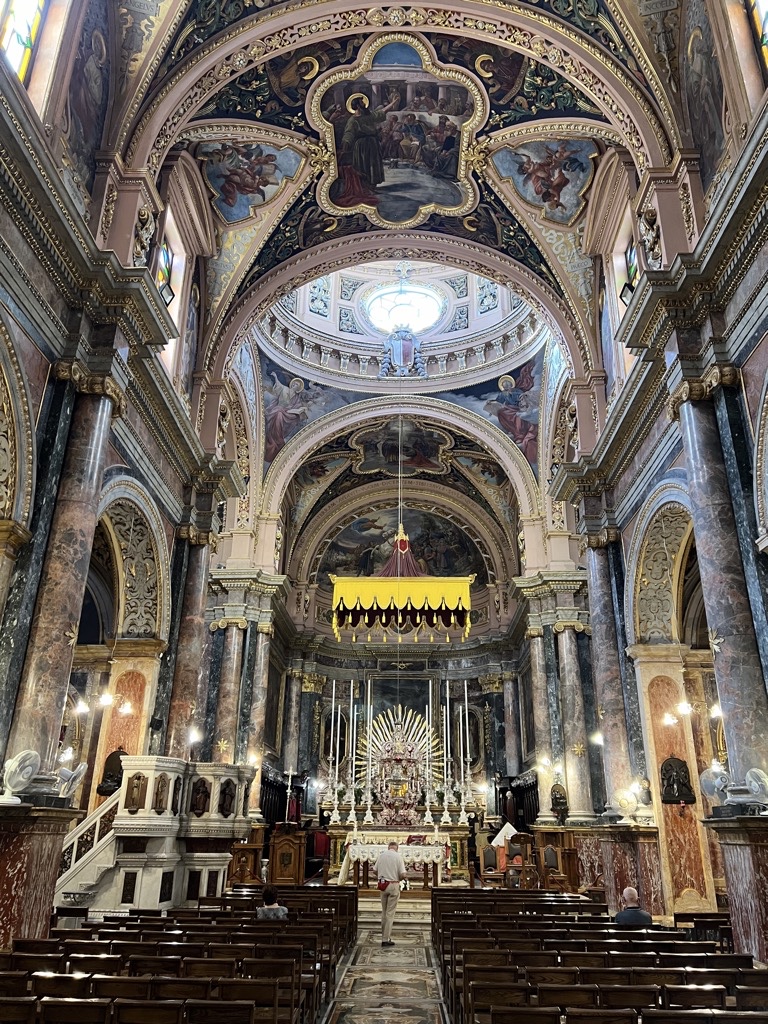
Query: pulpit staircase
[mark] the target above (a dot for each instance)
(88, 858)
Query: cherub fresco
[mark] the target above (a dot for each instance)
(553, 176)
(244, 175)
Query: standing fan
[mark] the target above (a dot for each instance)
(70, 780)
(757, 784)
(624, 800)
(19, 772)
(713, 781)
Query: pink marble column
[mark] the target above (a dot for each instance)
(186, 709)
(541, 724)
(744, 843)
(512, 723)
(258, 712)
(228, 704)
(740, 684)
(31, 839)
(291, 721)
(45, 677)
(576, 761)
(606, 673)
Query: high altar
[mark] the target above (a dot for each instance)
(404, 799)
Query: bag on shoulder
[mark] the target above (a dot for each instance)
(382, 885)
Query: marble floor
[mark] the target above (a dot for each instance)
(398, 984)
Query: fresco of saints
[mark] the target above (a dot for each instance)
(284, 414)
(509, 408)
(360, 158)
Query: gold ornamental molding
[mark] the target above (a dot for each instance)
(575, 624)
(88, 383)
(311, 682)
(197, 537)
(534, 632)
(266, 628)
(703, 388)
(493, 683)
(601, 539)
(13, 537)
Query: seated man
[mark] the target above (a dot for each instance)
(271, 909)
(632, 915)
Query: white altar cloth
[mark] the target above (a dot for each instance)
(414, 855)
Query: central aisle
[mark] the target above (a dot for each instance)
(399, 983)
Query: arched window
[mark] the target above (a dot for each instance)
(20, 21)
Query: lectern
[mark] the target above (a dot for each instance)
(287, 854)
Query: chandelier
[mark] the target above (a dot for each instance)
(402, 601)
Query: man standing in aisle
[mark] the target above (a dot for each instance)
(390, 869)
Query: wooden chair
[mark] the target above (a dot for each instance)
(75, 1011)
(568, 995)
(53, 962)
(102, 963)
(169, 966)
(179, 988)
(623, 997)
(525, 1015)
(584, 960)
(490, 873)
(18, 1009)
(652, 1016)
(35, 946)
(483, 996)
(213, 1012)
(748, 998)
(752, 978)
(202, 967)
(285, 972)
(94, 947)
(694, 997)
(107, 986)
(552, 975)
(729, 978)
(658, 976)
(578, 1015)
(230, 950)
(61, 986)
(13, 983)
(137, 1011)
(182, 949)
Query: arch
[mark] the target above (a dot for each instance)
(250, 42)
(306, 553)
(761, 471)
(18, 449)
(355, 249)
(656, 564)
(141, 557)
(313, 437)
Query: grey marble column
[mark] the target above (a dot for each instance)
(512, 742)
(255, 750)
(575, 759)
(740, 684)
(291, 721)
(187, 706)
(45, 679)
(606, 673)
(228, 704)
(541, 725)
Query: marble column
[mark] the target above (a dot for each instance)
(606, 673)
(291, 720)
(255, 748)
(740, 684)
(575, 760)
(541, 725)
(187, 706)
(228, 704)
(53, 635)
(512, 742)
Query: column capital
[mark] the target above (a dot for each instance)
(88, 383)
(601, 539)
(575, 624)
(265, 627)
(197, 537)
(492, 683)
(701, 388)
(223, 623)
(13, 537)
(311, 682)
(534, 631)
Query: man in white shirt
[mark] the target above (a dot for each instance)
(389, 868)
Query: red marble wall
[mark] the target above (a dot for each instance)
(30, 851)
(589, 856)
(745, 855)
(125, 730)
(680, 834)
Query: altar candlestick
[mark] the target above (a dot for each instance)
(461, 747)
(333, 712)
(448, 717)
(338, 744)
(370, 738)
(466, 715)
(445, 756)
(426, 753)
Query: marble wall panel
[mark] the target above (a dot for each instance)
(748, 899)
(753, 374)
(589, 856)
(37, 367)
(125, 730)
(649, 876)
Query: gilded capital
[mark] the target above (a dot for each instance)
(603, 537)
(224, 623)
(91, 383)
(311, 682)
(702, 388)
(199, 537)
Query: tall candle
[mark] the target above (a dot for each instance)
(370, 738)
(445, 757)
(461, 746)
(338, 744)
(448, 717)
(466, 716)
(333, 712)
(429, 744)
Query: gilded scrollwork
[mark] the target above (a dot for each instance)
(139, 576)
(8, 456)
(655, 594)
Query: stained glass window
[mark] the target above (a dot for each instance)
(630, 257)
(164, 271)
(21, 20)
(758, 12)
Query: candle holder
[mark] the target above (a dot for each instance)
(335, 816)
(428, 819)
(368, 818)
(445, 818)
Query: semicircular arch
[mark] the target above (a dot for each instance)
(310, 439)
(656, 564)
(18, 456)
(141, 558)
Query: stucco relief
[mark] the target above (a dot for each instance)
(139, 619)
(7, 452)
(655, 601)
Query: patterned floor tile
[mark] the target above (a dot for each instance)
(393, 956)
(386, 984)
(347, 1012)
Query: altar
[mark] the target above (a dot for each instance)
(419, 852)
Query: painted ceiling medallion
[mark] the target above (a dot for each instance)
(399, 126)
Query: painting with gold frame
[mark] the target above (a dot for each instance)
(398, 125)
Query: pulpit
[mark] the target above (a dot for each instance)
(287, 855)
(245, 865)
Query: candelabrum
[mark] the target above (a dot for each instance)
(463, 819)
(428, 819)
(445, 819)
(335, 816)
(352, 816)
(368, 819)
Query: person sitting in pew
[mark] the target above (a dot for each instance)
(271, 911)
(632, 916)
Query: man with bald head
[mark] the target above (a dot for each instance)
(632, 916)
(390, 870)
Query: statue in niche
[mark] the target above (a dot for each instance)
(559, 800)
(176, 798)
(676, 782)
(402, 355)
(650, 235)
(160, 802)
(227, 795)
(201, 798)
(136, 793)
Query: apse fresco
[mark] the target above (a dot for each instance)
(395, 125)
(290, 403)
(245, 175)
(89, 92)
(440, 547)
(512, 404)
(552, 176)
(309, 482)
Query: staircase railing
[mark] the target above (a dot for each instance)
(89, 837)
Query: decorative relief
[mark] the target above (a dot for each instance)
(567, 249)
(703, 388)
(8, 457)
(655, 597)
(650, 236)
(142, 239)
(108, 213)
(140, 609)
(91, 383)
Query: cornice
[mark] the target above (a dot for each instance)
(545, 584)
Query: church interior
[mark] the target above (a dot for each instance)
(383, 457)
